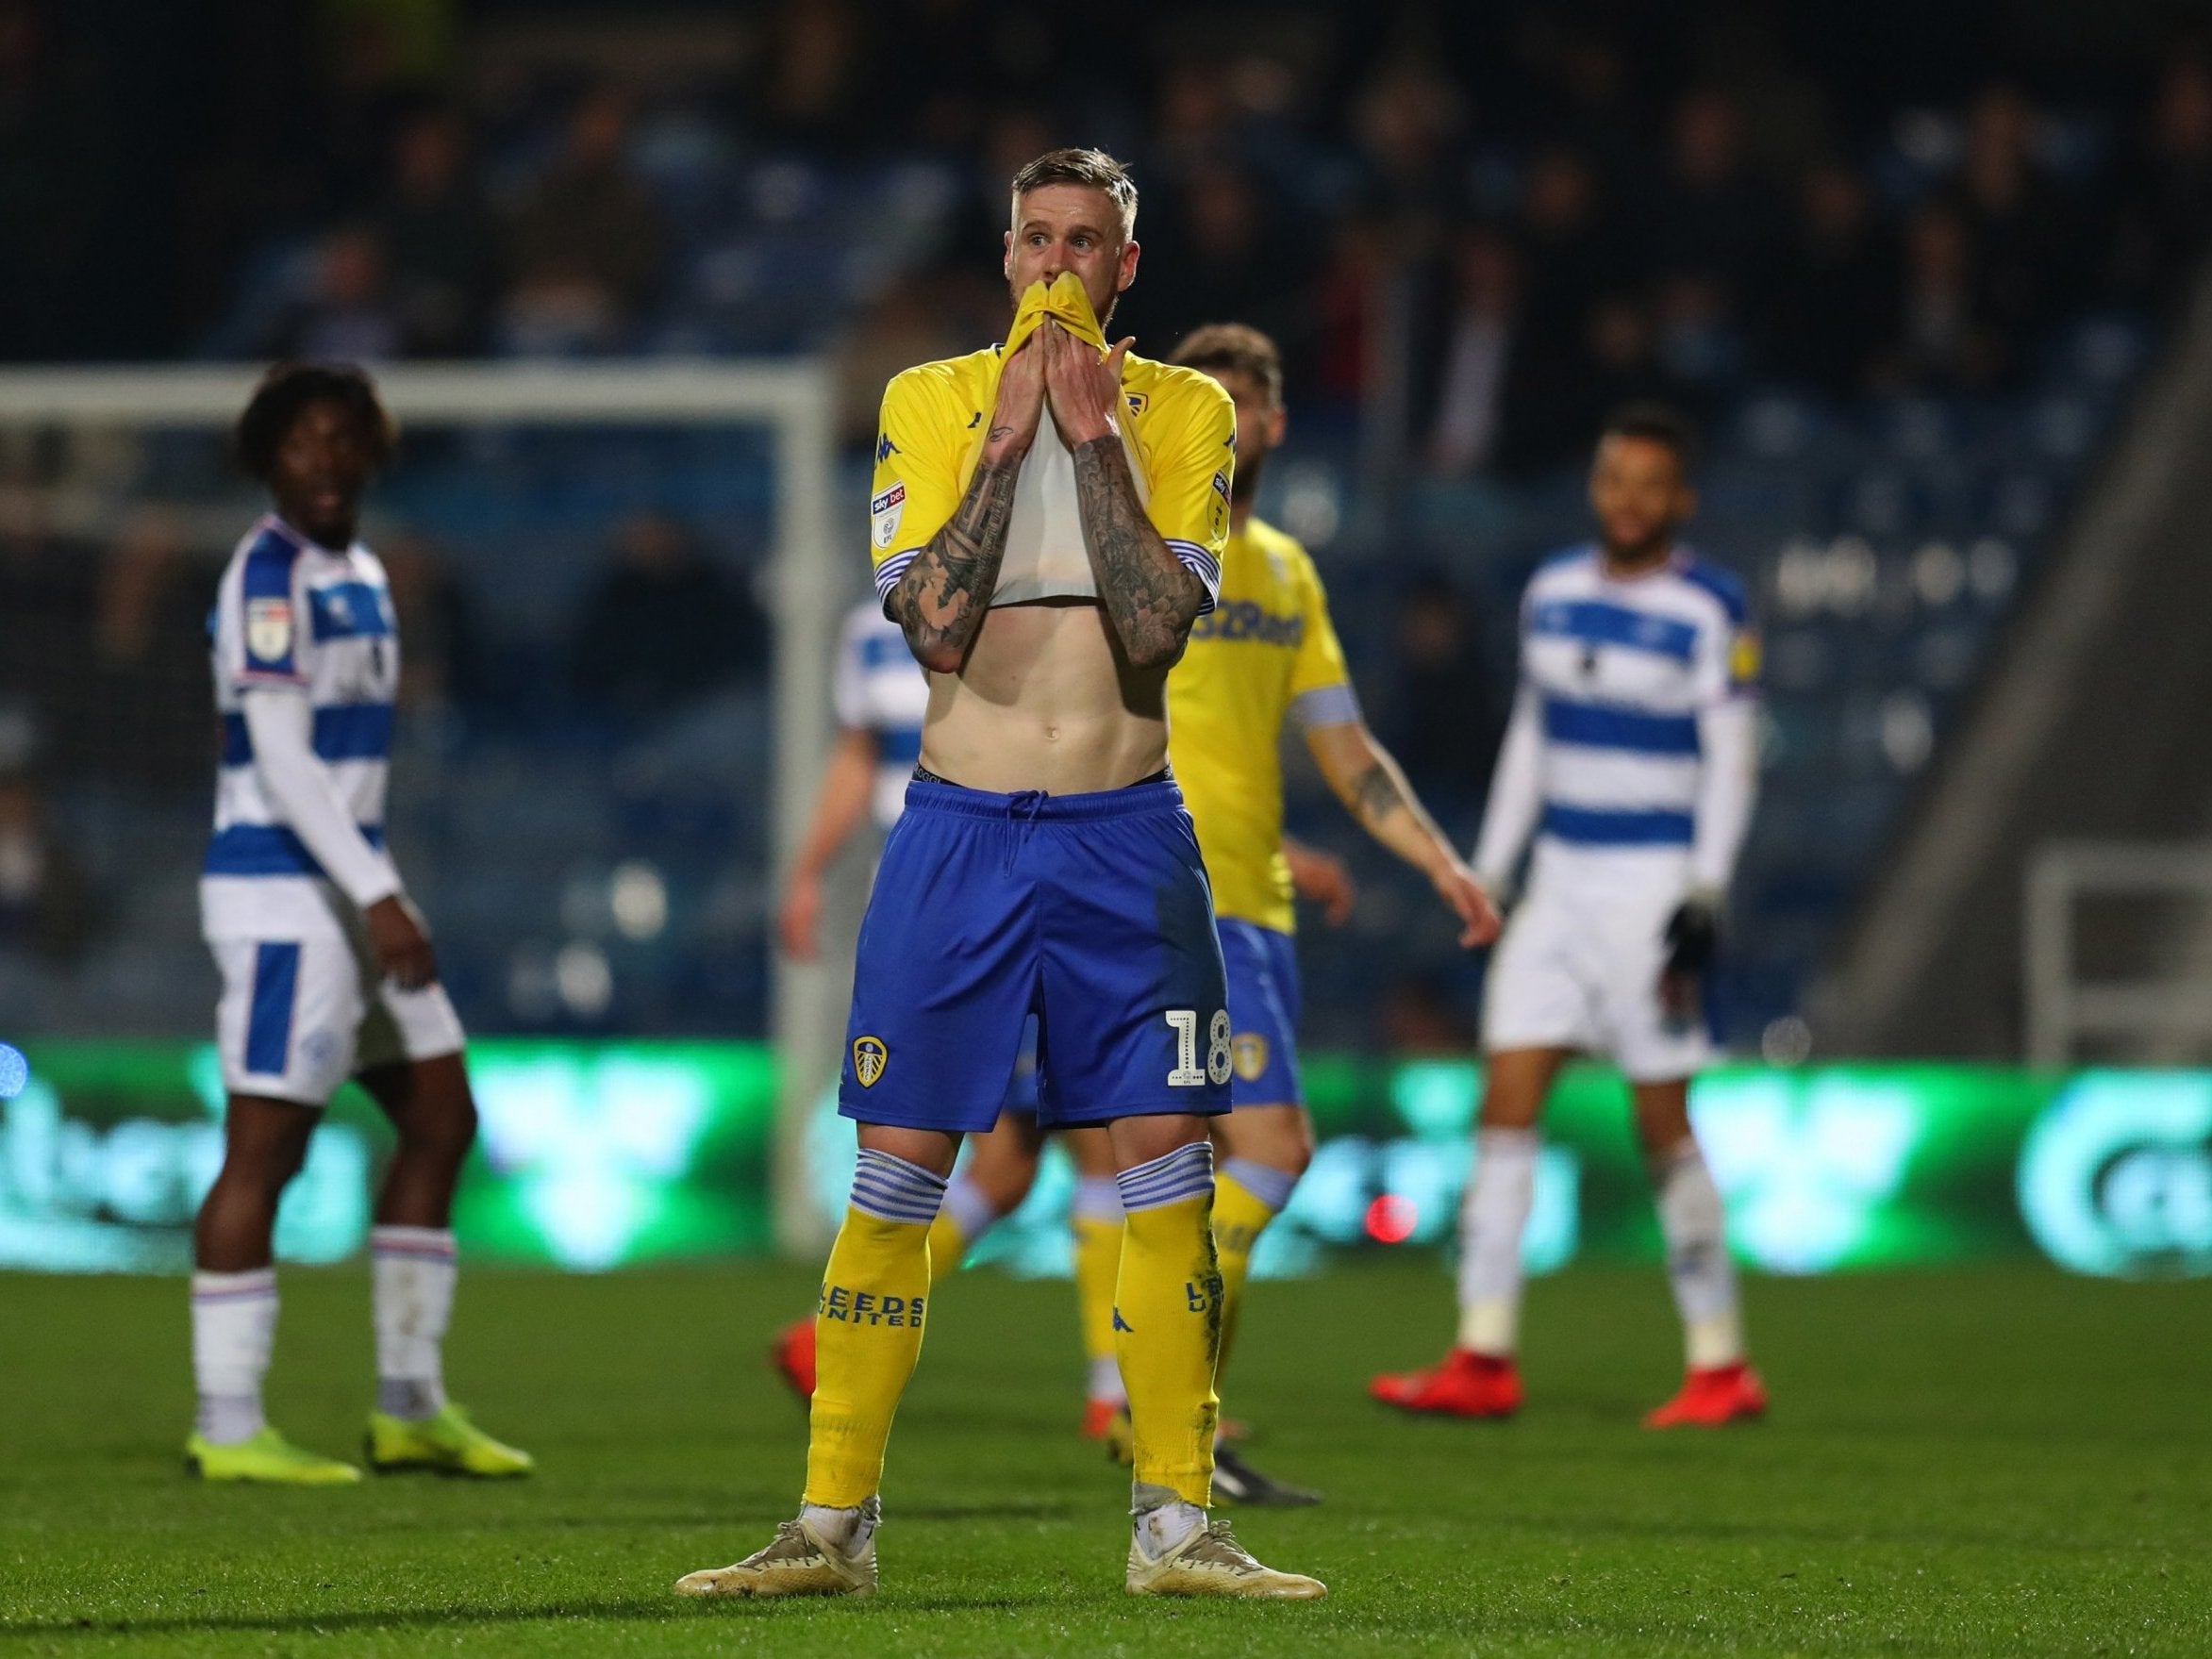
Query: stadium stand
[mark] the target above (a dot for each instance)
(1856, 284)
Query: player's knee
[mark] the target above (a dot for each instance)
(1289, 1145)
(443, 1127)
(1509, 1108)
(258, 1171)
(1662, 1124)
(1006, 1184)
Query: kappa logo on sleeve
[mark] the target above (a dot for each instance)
(268, 629)
(885, 448)
(885, 512)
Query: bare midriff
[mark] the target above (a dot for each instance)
(1046, 702)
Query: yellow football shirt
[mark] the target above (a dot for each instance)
(1180, 424)
(1266, 652)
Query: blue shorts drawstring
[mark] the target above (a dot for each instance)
(1024, 808)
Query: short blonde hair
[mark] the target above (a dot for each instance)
(1092, 170)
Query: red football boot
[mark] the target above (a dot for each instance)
(1467, 1385)
(792, 1354)
(1098, 1418)
(1712, 1397)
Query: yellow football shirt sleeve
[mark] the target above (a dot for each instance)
(1320, 683)
(917, 484)
(1191, 462)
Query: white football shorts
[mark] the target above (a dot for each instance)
(1579, 968)
(299, 1017)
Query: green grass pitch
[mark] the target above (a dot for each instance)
(2001, 1462)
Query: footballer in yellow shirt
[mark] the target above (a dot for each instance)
(1264, 657)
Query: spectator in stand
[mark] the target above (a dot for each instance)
(1836, 291)
(441, 237)
(2166, 223)
(1406, 122)
(1194, 124)
(2026, 257)
(1944, 338)
(1708, 217)
(664, 624)
(1566, 396)
(1482, 357)
(813, 99)
(347, 314)
(917, 321)
(585, 248)
(1215, 254)
(1568, 257)
(1348, 296)
(1696, 342)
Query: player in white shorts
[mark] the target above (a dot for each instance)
(1631, 760)
(328, 970)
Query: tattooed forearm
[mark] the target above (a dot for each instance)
(1374, 790)
(1149, 595)
(1376, 795)
(941, 600)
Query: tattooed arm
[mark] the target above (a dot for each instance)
(1374, 790)
(943, 596)
(941, 600)
(1150, 596)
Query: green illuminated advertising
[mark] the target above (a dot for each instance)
(599, 1156)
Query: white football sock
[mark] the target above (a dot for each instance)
(1695, 1227)
(1163, 1520)
(1105, 1381)
(970, 1207)
(1491, 1221)
(414, 1276)
(848, 1529)
(234, 1327)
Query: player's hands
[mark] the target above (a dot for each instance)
(1324, 878)
(1021, 403)
(1693, 940)
(798, 924)
(1471, 901)
(1084, 390)
(402, 942)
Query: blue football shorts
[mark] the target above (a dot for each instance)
(1265, 1002)
(1090, 912)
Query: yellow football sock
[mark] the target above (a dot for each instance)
(1239, 1217)
(1168, 1332)
(867, 1337)
(1098, 1266)
(948, 1245)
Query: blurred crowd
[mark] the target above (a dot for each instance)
(1473, 230)
(1502, 218)
(1503, 226)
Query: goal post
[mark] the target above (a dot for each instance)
(810, 575)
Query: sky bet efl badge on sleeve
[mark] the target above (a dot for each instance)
(268, 629)
(886, 510)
